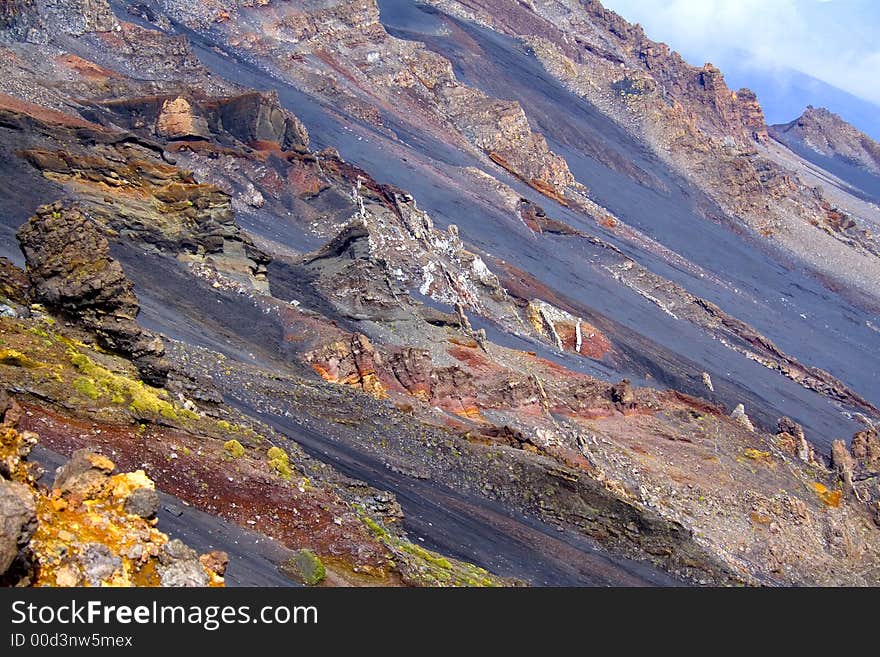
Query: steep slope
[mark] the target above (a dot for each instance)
(690, 119)
(508, 341)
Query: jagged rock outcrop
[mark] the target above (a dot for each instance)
(37, 20)
(713, 136)
(827, 133)
(790, 436)
(858, 469)
(865, 448)
(125, 185)
(17, 17)
(326, 38)
(653, 473)
(252, 118)
(71, 271)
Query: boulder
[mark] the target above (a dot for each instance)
(143, 502)
(84, 475)
(18, 521)
(622, 394)
(71, 271)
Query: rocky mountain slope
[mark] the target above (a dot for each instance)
(828, 134)
(473, 293)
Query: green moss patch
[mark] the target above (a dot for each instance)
(305, 567)
(143, 401)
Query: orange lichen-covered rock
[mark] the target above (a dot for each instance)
(93, 528)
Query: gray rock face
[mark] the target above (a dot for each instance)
(180, 566)
(143, 502)
(260, 117)
(40, 20)
(18, 521)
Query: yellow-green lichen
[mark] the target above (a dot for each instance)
(233, 449)
(86, 387)
(16, 358)
(280, 462)
(423, 565)
(144, 401)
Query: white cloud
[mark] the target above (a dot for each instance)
(835, 42)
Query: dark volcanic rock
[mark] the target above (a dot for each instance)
(249, 118)
(69, 265)
(255, 117)
(143, 502)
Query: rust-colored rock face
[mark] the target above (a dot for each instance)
(177, 120)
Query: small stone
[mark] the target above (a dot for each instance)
(68, 575)
(180, 566)
(65, 536)
(215, 561)
(186, 573)
(98, 563)
(176, 550)
(175, 511)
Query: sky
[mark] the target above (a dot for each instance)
(836, 42)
